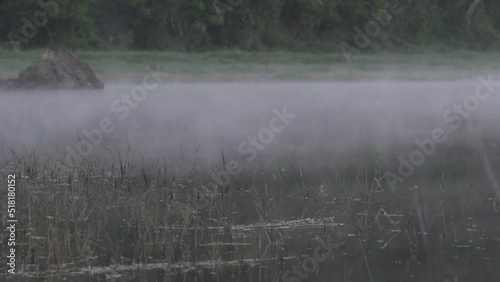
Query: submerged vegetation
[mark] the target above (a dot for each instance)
(126, 218)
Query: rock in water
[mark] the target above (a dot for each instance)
(59, 68)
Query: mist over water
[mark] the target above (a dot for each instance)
(335, 135)
(228, 146)
(343, 120)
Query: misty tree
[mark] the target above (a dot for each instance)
(248, 24)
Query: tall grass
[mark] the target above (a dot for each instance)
(129, 211)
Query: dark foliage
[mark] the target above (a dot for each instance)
(306, 25)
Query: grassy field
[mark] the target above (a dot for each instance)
(235, 65)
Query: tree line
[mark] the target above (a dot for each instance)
(296, 25)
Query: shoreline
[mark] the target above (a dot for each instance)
(240, 66)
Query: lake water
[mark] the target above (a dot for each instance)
(347, 181)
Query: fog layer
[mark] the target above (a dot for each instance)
(344, 121)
